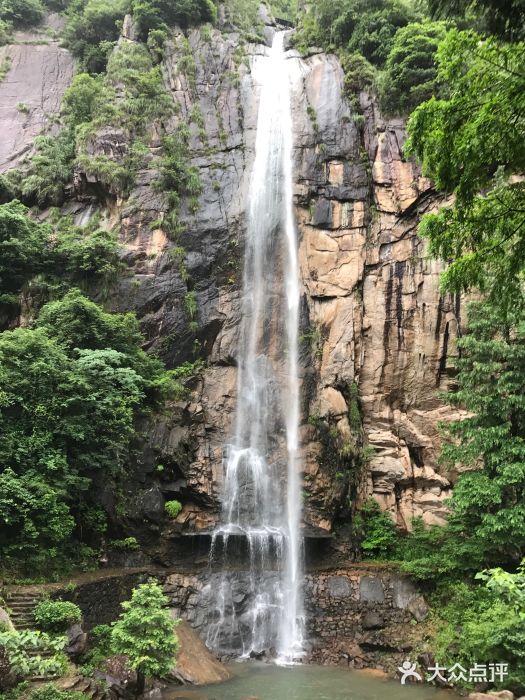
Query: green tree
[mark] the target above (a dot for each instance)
(152, 14)
(505, 19)
(373, 530)
(145, 633)
(21, 13)
(411, 72)
(374, 31)
(70, 392)
(471, 144)
(486, 525)
(477, 624)
(22, 244)
(92, 29)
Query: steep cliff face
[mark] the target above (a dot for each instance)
(376, 334)
(376, 337)
(30, 95)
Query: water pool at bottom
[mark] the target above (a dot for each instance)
(260, 681)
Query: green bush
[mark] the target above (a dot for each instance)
(33, 653)
(92, 30)
(145, 633)
(482, 624)
(21, 13)
(153, 14)
(43, 181)
(129, 544)
(173, 508)
(374, 32)
(359, 74)
(411, 73)
(374, 530)
(51, 692)
(56, 615)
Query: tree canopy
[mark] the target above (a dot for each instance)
(471, 144)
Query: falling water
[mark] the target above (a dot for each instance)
(262, 609)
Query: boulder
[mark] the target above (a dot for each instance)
(372, 621)
(5, 620)
(418, 607)
(76, 641)
(494, 695)
(196, 665)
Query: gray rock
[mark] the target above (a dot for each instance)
(372, 621)
(339, 586)
(371, 590)
(403, 592)
(5, 620)
(150, 505)
(418, 607)
(76, 641)
(38, 76)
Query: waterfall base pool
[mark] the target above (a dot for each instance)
(259, 681)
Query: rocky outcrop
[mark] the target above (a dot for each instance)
(372, 299)
(195, 664)
(376, 336)
(31, 93)
(372, 317)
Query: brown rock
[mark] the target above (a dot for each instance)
(195, 663)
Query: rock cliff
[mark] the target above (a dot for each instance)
(376, 336)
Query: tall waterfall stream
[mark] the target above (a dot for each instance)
(261, 498)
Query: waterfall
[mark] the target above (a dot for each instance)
(262, 608)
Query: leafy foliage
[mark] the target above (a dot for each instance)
(56, 615)
(374, 530)
(92, 29)
(70, 390)
(51, 692)
(153, 14)
(22, 244)
(51, 258)
(411, 73)
(145, 633)
(472, 145)
(173, 508)
(21, 13)
(480, 624)
(503, 19)
(50, 172)
(355, 26)
(20, 644)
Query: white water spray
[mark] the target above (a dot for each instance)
(261, 499)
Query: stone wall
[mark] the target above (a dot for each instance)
(100, 599)
(353, 614)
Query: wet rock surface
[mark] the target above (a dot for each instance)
(31, 93)
(372, 316)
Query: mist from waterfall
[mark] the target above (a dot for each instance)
(261, 608)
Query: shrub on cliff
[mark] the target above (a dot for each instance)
(374, 531)
(153, 14)
(21, 13)
(92, 30)
(411, 73)
(145, 633)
